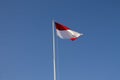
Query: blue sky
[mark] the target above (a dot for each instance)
(26, 40)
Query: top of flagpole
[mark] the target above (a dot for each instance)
(53, 20)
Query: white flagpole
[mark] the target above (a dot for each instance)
(54, 51)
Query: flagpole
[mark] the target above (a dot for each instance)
(54, 51)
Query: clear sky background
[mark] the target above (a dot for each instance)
(26, 39)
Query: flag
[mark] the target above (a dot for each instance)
(66, 33)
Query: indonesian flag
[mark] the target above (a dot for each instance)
(66, 33)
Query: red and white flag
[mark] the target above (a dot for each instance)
(66, 33)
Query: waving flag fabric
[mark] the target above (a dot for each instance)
(66, 33)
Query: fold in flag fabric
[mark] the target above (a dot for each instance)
(66, 33)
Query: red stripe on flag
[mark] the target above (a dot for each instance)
(61, 27)
(73, 39)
